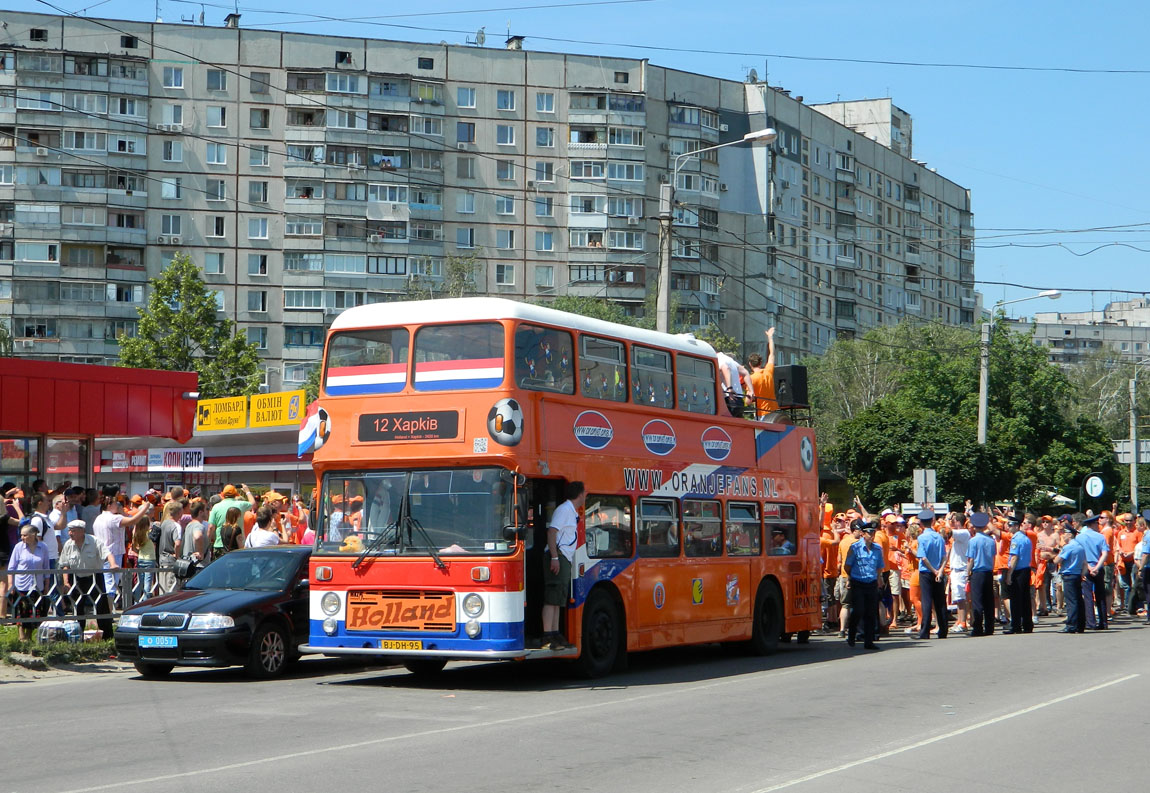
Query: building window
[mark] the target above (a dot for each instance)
(170, 188)
(505, 100)
(465, 237)
(425, 63)
(173, 77)
(465, 97)
(465, 203)
(545, 137)
(38, 34)
(544, 102)
(505, 170)
(170, 224)
(504, 205)
(258, 192)
(217, 190)
(625, 171)
(257, 264)
(465, 131)
(544, 171)
(505, 239)
(505, 135)
(505, 274)
(544, 276)
(257, 300)
(217, 154)
(465, 168)
(217, 116)
(217, 80)
(544, 241)
(343, 83)
(544, 206)
(622, 77)
(215, 226)
(258, 337)
(213, 264)
(129, 42)
(260, 117)
(258, 156)
(591, 169)
(304, 336)
(257, 228)
(260, 83)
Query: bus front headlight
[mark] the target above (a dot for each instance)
(473, 605)
(329, 603)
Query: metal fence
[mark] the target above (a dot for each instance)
(83, 594)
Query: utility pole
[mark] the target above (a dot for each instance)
(983, 379)
(663, 300)
(1134, 442)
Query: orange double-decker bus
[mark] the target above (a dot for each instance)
(444, 435)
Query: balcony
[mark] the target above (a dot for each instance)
(966, 254)
(967, 302)
(912, 205)
(844, 232)
(913, 258)
(844, 175)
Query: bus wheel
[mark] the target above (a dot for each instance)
(786, 638)
(602, 634)
(803, 637)
(425, 667)
(768, 620)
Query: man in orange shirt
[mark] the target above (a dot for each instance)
(829, 541)
(1001, 562)
(1127, 541)
(763, 379)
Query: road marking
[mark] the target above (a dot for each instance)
(943, 737)
(735, 679)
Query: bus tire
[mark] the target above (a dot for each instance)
(803, 637)
(425, 667)
(603, 638)
(768, 619)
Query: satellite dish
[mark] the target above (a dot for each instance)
(480, 37)
(752, 76)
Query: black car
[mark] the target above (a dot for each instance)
(249, 607)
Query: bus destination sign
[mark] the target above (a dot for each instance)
(428, 425)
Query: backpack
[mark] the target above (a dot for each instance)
(27, 521)
(154, 534)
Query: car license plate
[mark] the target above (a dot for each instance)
(395, 644)
(159, 641)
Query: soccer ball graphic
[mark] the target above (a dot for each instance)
(505, 422)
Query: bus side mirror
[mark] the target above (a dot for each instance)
(512, 533)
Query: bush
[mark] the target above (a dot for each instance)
(54, 652)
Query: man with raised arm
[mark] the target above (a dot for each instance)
(763, 379)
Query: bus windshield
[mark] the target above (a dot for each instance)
(416, 512)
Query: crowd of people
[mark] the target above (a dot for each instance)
(974, 572)
(162, 537)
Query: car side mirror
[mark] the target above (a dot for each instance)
(302, 586)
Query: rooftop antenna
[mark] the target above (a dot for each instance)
(479, 40)
(753, 75)
(158, 17)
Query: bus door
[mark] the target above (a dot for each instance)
(545, 496)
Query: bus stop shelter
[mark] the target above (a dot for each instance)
(51, 414)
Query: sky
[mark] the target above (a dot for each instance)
(1055, 152)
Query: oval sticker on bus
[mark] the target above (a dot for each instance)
(716, 443)
(659, 437)
(593, 430)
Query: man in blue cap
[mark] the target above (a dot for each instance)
(864, 565)
(1017, 577)
(980, 561)
(932, 582)
(1071, 561)
(1094, 575)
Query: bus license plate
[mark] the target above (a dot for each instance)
(159, 641)
(395, 644)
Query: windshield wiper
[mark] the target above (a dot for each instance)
(411, 521)
(373, 545)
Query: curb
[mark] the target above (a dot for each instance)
(29, 661)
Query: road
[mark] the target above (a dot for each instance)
(1038, 712)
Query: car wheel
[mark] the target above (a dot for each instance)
(602, 634)
(269, 652)
(425, 667)
(803, 637)
(150, 671)
(768, 619)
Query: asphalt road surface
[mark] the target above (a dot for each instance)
(1042, 712)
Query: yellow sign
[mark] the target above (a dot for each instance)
(228, 413)
(280, 409)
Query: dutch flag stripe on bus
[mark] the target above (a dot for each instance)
(450, 375)
(378, 379)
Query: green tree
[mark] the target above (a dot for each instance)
(714, 336)
(179, 331)
(590, 307)
(5, 339)
(458, 279)
(311, 384)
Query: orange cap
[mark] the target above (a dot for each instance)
(230, 491)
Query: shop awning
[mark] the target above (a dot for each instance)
(50, 398)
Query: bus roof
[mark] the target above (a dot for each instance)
(468, 309)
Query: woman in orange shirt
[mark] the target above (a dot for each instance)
(911, 561)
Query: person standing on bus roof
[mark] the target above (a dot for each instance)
(562, 531)
(763, 379)
(733, 374)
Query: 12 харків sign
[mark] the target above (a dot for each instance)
(415, 426)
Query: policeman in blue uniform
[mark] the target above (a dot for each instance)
(1018, 579)
(980, 561)
(864, 564)
(1094, 574)
(1071, 561)
(1142, 569)
(932, 580)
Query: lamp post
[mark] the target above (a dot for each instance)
(984, 356)
(666, 215)
(1134, 441)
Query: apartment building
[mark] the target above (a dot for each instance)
(305, 174)
(1121, 330)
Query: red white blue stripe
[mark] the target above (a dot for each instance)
(457, 375)
(386, 378)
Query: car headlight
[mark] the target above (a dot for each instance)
(207, 622)
(473, 605)
(130, 621)
(329, 603)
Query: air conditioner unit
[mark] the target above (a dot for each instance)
(41, 151)
(530, 185)
(162, 127)
(161, 240)
(663, 178)
(632, 221)
(175, 128)
(724, 128)
(722, 315)
(375, 238)
(664, 146)
(722, 187)
(461, 146)
(784, 184)
(174, 240)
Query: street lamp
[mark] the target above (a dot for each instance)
(1134, 440)
(666, 212)
(984, 356)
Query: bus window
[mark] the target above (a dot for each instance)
(651, 380)
(744, 534)
(703, 528)
(366, 362)
(602, 369)
(608, 521)
(543, 359)
(457, 357)
(658, 527)
(782, 529)
(696, 379)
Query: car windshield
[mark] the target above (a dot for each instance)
(421, 512)
(257, 571)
